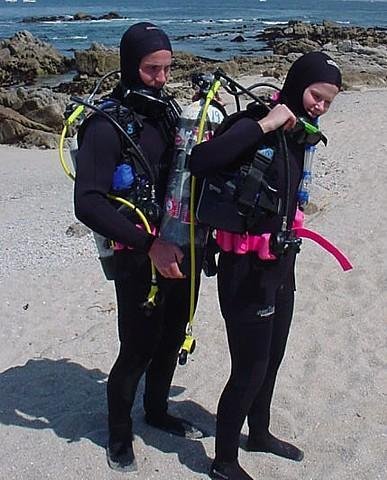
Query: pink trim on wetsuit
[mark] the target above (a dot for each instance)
(242, 244)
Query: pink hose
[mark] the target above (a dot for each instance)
(302, 232)
(241, 244)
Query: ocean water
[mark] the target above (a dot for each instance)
(204, 29)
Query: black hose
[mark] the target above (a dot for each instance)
(251, 87)
(99, 83)
(282, 140)
(220, 74)
(263, 84)
(140, 156)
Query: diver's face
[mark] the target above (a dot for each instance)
(155, 68)
(318, 97)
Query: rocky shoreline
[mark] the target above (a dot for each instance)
(32, 115)
(77, 17)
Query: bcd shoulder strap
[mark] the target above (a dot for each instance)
(254, 180)
(130, 122)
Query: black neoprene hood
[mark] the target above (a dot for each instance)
(138, 41)
(313, 67)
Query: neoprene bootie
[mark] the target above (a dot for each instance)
(120, 456)
(175, 426)
(267, 442)
(228, 471)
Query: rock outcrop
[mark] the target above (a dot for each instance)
(317, 35)
(77, 17)
(35, 116)
(97, 60)
(360, 52)
(24, 57)
(31, 117)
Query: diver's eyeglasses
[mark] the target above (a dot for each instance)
(305, 132)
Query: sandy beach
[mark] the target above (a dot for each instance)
(59, 340)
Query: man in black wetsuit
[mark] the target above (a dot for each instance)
(149, 341)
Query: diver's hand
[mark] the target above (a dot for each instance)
(166, 258)
(279, 116)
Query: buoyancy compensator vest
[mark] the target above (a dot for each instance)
(124, 176)
(238, 197)
(134, 177)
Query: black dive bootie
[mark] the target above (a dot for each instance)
(267, 442)
(175, 426)
(228, 471)
(120, 456)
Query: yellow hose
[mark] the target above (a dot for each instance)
(210, 96)
(71, 119)
(153, 290)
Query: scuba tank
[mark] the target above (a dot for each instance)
(197, 123)
(105, 255)
(75, 116)
(309, 134)
(306, 180)
(175, 224)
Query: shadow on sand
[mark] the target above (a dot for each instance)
(69, 399)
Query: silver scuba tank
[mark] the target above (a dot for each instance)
(103, 245)
(105, 255)
(175, 224)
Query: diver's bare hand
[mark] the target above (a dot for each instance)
(279, 116)
(166, 258)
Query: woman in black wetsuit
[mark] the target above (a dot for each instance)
(257, 296)
(149, 342)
